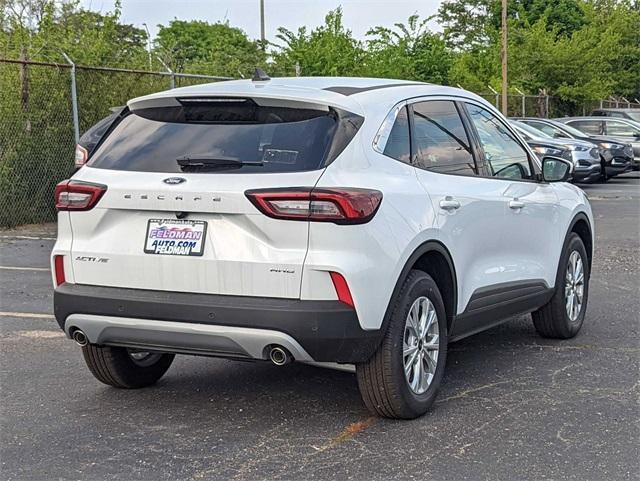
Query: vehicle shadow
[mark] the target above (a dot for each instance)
(626, 178)
(222, 388)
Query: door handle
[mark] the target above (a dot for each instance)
(449, 204)
(516, 204)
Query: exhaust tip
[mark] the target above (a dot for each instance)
(279, 356)
(80, 338)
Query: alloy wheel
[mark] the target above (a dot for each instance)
(574, 286)
(421, 344)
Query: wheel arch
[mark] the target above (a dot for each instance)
(435, 259)
(580, 225)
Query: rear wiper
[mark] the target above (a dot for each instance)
(205, 160)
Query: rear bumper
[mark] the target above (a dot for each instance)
(217, 325)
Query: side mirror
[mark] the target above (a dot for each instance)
(555, 169)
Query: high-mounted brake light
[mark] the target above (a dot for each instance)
(81, 156)
(58, 263)
(342, 288)
(337, 205)
(74, 195)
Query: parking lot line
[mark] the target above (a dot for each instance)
(30, 315)
(27, 237)
(12, 268)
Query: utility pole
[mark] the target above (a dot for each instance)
(262, 36)
(148, 43)
(505, 98)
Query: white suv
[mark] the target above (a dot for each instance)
(333, 220)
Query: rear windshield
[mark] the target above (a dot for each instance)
(226, 136)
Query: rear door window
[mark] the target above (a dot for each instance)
(232, 135)
(592, 127)
(440, 140)
(621, 128)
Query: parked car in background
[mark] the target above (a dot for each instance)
(87, 143)
(584, 154)
(348, 220)
(631, 114)
(617, 157)
(624, 130)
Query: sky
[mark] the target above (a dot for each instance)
(359, 15)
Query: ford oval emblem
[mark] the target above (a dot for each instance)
(174, 180)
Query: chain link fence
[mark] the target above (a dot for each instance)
(37, 129)
(550, 106)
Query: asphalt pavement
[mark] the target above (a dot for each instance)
(512, 405)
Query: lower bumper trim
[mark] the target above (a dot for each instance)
(327, 331)
(183, 337)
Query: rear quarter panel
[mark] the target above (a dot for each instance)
(572, 200)
(369, 256)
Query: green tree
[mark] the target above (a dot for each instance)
(617, 22)
(327, 50)
(410, 51)
(469, 23)
(476, 69)
(577, 50)
(216, 49)
(43, 29)
(600, 59)
(432, 59)
(562, 16)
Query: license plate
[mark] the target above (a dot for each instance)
(175, 237)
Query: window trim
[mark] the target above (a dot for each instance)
(534, 165)
(481, 165)
(382, 135)
(384, 131)
(389, 128)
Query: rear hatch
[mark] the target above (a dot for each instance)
(175, 216)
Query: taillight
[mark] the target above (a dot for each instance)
(81, 156)
(342, 288)
(58, 264)
(338, 205)
(74, 195)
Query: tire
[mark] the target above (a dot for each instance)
(384, 387)
(117, 367)
(553, 320)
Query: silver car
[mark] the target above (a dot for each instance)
(584, 155)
